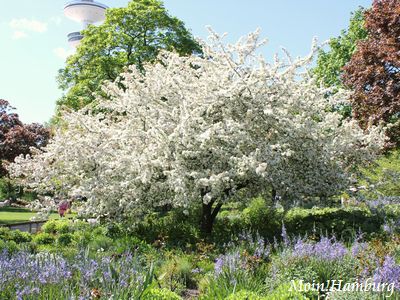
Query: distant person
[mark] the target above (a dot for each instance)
(63, 207)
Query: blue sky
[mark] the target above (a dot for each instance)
(34, 45)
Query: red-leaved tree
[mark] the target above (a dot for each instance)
(17, 138)
(373, 72)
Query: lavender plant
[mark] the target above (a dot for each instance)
(50, 276)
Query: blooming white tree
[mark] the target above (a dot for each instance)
(199, 130)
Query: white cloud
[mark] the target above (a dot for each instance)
(28, 25)
(22, 26)
(19, 35)
(63, 53)
(56, 20)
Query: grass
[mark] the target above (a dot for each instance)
(12, 215)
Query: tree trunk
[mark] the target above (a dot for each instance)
(208, 217)
(273, 195)
(10, 189)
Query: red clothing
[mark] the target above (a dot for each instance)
(63, 208)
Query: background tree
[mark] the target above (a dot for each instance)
(374, 69)
(229, 128)
(131, 35)
(330, 62)
(17, 138)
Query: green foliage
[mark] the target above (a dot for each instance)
(81, 225)
(49, 226)
(341, 221)
(69, 226)
(4, 233)
(260, 216)
(245, 295)
(63, 226)
(133, 244)
(44, 238)
(79, 232)
(223, 286)
(82, 238)
(113, 230)
(235, 271)
(160, 294)
(9, 189)
(176, 273)
(101, 243)
(3, 188)
(9, 246)
(20, 236)
(307, 269)
(383, 177)
(330, 63)
(285, 291)
(174, 228)
(16, 236)
(131, 35)
(64, 239)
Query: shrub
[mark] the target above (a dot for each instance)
(64, 239)
(133, 244)
(101, 243)
(82, 237)
(228, 224)
(63, 226)
(113, 230)
(174, 228)
(9, 246)
(4, 233)
(242, 267)
(383, 177)
(81, 225)
(49, 226)
(98, 231)
(286, 292)
(176, 273)
(20, 236)
(261, 217)
(160, 294)
(343, 221)
(44, 238)
(245, 295)
(59, 226)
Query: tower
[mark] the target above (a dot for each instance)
(85, 12)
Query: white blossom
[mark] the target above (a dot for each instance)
(193, 129)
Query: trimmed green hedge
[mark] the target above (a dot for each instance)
(343, 222)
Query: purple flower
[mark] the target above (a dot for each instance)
(219, 264)
(387, 228)
(302, 249)
(284, 235)
(327, 249)
(358, 247)
(230, 262)
(196, 271)
(389, 273)
(26, 291)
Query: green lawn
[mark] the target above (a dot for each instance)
(11, 215)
